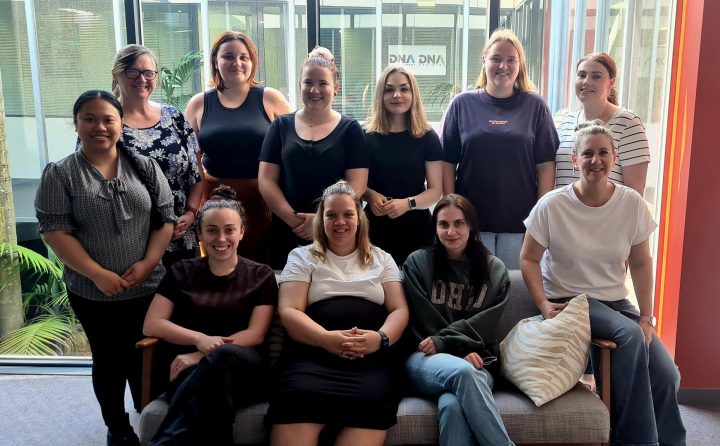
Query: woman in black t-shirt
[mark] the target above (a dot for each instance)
(401, 141)
(215, 312)
(307, 151)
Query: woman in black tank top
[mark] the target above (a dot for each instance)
(231, 121)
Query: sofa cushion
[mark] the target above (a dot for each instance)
(578, 416)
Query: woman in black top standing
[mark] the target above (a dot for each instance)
(307, 151)
(231, 121)
(404, 152)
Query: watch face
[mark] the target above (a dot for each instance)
(412, 203)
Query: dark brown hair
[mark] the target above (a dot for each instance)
(226, 199)
(475, 252)
(606, 61)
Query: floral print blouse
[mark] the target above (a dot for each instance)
(173, 145)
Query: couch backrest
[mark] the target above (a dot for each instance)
(520, 305)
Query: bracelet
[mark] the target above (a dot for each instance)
(191, 209)
(649, 319)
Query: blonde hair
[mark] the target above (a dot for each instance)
(522, 82)
(322, 57)
(362, 237)
(594, 127)
(124, 60)
(379, 119)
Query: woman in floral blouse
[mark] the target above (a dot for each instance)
(160, 132)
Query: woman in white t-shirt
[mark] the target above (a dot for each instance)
(580, 239)
(595, 89)
(343, 305)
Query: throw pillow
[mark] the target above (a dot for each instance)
(546, 357)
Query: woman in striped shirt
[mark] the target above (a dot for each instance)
(595, 88)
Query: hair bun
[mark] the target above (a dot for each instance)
(224, 192)
(586, 124)
(321, 51)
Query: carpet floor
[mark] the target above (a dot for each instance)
(42, 410)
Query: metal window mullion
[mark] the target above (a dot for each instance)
(290, 55)
(493, 16)
(133, 21)
(117, 20)
(36, 86)
(580, 25)
(378, 39)
(558, 55)
(465, 44)
(628, 41)
(313, 23)
(602, 13)
(653, 66)
(205, 20)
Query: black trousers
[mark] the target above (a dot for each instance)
(113, 328)
(203, 399)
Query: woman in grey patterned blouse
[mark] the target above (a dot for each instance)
(108, 215)
(160, 132)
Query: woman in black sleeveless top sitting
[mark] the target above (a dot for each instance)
(231, 121)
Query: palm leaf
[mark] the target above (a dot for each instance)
(46, 335)
(29, 259)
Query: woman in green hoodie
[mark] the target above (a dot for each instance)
(456, 292)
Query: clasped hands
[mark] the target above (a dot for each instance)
(112, 284)
(393, 208)
(205, 345)
(352, 344)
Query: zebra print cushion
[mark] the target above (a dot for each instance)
(546, 358)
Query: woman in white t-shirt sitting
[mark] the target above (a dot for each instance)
(343, 305)
(580, 239)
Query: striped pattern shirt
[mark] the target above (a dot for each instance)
(110, 218)
(630, 141)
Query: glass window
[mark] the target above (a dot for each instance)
(426, 36)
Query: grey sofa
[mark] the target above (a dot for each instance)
(578, 417)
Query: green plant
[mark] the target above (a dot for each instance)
(172, 83)
(52, 328)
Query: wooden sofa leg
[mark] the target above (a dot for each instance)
(605, 377)
(147, 346)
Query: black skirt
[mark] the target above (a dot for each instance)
(315, 386)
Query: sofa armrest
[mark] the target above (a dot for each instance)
(148, 350)
(606, 346)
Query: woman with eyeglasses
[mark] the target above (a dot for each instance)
(456, 292)
(500, 141)
(231, 121)
(160, 132)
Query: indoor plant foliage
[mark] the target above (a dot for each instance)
(51, 328)
(172, 81)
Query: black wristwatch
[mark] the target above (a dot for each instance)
(384, 340)
(412, 203)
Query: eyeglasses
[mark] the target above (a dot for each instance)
(132, 73)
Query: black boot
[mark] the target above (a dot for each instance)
(125, 439)
(122, 434)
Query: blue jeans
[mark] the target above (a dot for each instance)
(466, 407)
(644, 408)
(505, 246)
